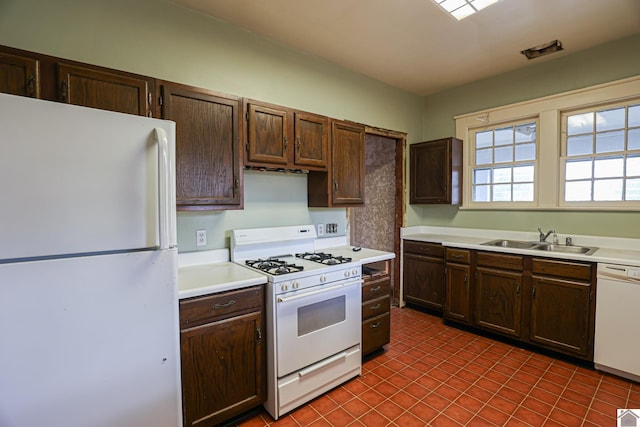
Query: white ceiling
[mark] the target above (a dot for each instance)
(414, 45)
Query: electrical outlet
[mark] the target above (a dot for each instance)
(320, 229)
(201, 237)
(332, 228)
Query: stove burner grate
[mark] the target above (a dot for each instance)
(324, 258)
(273, 266)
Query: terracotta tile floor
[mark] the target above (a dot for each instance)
(437, 375)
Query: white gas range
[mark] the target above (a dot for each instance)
(313, 311)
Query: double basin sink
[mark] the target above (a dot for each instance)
(541, 246)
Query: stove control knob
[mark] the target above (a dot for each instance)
(354, 272)
(347, 273)
(284, 287)
(295, 285)
(323, 278)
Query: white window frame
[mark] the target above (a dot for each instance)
(563, 159)
(549, 174)
(473, 166)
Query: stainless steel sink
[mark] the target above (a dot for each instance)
(583, 250)
(517, 244)
(538, 246)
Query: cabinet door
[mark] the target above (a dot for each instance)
(560, 315)
(106, 90)
(347, 167)
(312, 141)
(499, 301)
(268, 132)
(436, 172)
(19, 75)
(458, 296)
(423, 281)
(222, 369)
(208, 164)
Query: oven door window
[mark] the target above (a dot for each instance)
(322, 314)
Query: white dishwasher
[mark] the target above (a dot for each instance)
(617, 342)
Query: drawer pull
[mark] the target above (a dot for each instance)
(376, 289)
(225, 305)
(375, 307)
(374, 325)
(458, 256)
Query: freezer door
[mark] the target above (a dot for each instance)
(90, 342)
(80, 180)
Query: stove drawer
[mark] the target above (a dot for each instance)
(200, 310)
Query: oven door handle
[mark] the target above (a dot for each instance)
(319, 291)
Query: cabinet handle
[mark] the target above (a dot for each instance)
(235, 184)
(374, 325)
(286, 142)
(63, 91)
(457, 256)
(533, 292)
(259, 334)
(225, 305)
(376, 289)
(518, 290)
(335, 186)
(374, 307)
(31, 85)
(466, 280)
(298, 144)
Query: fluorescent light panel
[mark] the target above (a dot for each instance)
(460, 9)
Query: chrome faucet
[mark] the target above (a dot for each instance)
(543, 236)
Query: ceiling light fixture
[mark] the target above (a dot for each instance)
(460, 9)
(543, 49)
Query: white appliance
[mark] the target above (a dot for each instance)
(88, 268)
(313, 306)
(616, 344)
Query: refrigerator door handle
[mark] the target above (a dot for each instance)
(166, 191)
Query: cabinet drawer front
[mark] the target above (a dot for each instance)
(375, 307)
(376, 288)
(501, 261)
(423, 248)
(458, 255)
(204, 309)
(375, 333)
(573, 270)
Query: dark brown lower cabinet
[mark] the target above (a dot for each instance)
(423, 275)
(223, 355)
(458, 297)
(376, 304)
(499, 301)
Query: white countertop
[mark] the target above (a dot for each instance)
(610, 250)
(364, 255)
(197, 280)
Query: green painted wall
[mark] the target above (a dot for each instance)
(608, 62)
(160, 39)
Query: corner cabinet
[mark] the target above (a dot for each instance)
(343, 184)
(208, 163)
(222, 351)
(282, 138)
(423, 274)
(435, 172)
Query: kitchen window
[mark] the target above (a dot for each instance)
(574, 150)
(504, 163)
(601, 154)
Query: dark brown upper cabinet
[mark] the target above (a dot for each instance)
(436, 172)
(343, 184)
(208, 158)
(283, 138)
(111, 90)
(19, 75)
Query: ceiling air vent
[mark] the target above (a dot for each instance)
(543, 49)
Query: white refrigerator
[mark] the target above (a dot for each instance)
(89, 333)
